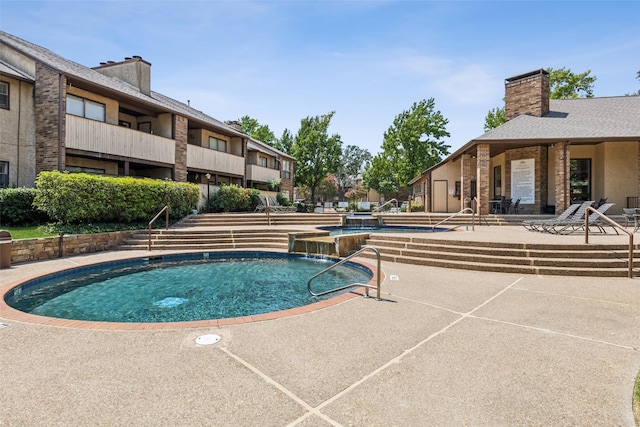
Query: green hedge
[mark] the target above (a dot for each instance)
(16, 207)
(73, 198)
(232, 198)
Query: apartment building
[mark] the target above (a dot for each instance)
(56, 114)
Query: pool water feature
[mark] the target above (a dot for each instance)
(354, 229)
(184, 287)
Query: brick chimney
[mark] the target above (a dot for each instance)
(135, 71)
(527, 93)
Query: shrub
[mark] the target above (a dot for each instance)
(16, 207)
(282, 200)
(232, 198)
(73, 198)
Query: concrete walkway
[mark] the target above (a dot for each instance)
(444, 348)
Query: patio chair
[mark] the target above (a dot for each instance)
(555, 227)
(515, 208)
(536, 224)
(630, 215)
(593, 220)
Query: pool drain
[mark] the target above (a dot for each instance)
(207, 339)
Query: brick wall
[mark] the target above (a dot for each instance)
(287, 184)
(25, 250)
(527, 94)
(539, 154)
(48, 101)
(483, 160)
(180, 135)
(562, 164)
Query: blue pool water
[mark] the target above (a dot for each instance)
(353, 229)
(184, 287)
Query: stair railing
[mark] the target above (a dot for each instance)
(385, 204)
(613, 224)
(353, 285)
(473, 220)
(166, 211)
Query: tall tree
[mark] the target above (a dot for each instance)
(285, 142)
(255, 130)
(412, 144)
(563, 84)
(352, 163)
(638, 92)
(316, 153)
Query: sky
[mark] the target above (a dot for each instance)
(280, 61)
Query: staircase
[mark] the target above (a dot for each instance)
(521, 258)
(248, 219)
(431, 219)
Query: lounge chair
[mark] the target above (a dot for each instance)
(554, 227)
(593, 220)
(537, 224)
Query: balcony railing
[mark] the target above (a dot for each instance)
(99, 137)
(214, 161)
(261, 174)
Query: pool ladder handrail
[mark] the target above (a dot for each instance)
(353, 285)
(166, 211)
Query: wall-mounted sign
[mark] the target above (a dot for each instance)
(523, 181)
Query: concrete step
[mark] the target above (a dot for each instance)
(574, 260)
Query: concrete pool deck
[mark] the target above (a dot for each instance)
(444, 347)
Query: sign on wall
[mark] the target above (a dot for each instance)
(523, 181)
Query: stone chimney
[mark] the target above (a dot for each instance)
(235, 125)
(527, 93)
(135, 71)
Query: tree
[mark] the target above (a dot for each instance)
(638, 92)
(379, 175)
(494, 118)
(327, 189)
(352, 163)
(563, 84)
(316, 153)
(256, 131)
(285, 142)
(412, 144)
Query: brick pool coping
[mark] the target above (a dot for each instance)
(11, 313)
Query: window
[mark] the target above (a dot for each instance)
(262, 161)
(4, 174)
(497, 181)
(4, 95)
(85, 108)
(286, 169)
(580, 176)
(217, 144)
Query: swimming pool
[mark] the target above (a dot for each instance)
(354, 229)
(182, 287)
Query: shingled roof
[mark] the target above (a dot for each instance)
(586, 119)
(78, 71)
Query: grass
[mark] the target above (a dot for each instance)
(636, 400)
(32, 232)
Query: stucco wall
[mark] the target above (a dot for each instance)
(17, 133)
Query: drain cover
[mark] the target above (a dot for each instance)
(207, 339)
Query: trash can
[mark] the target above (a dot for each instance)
(5, 249)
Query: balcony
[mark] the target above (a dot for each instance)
(99, 137)
(261, 174)
(214, 161)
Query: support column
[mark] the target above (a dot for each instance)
(180, 134)
(465, 179)
(483, 158)
(563, 183)
(427, 193)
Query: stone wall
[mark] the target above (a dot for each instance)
(25, 250)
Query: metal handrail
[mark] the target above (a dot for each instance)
(385, 204)
(353, 285)
(614, 225)
(479, 211)
(473, 219)
(166, 210)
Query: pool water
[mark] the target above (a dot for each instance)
(185, 289)
(354, 229)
